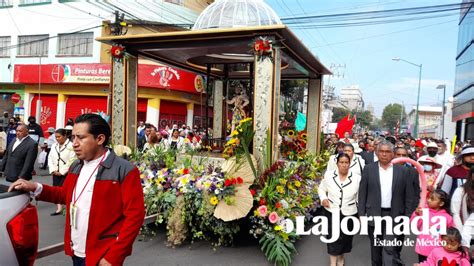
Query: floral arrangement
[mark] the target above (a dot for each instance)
(293, 145)
(285, 190)
(262, 48)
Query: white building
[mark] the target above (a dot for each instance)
(429, 120)
(352, 98)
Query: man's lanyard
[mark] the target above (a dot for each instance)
(74, 199)
(73, 208)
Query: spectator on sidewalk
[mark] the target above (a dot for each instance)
(59, 160)
(101, 190)
(35, 131)
(48, 145)
(19, 159)
(11, 130)
(5, 120)
(3, 142)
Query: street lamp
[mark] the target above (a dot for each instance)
(443, 87)
(420, 66)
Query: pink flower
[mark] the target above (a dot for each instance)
(262, 211)
(273, 218)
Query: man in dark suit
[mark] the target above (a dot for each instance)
(384, 191)
(19, 159)
(369, 154)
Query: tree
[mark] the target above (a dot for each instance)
(338, 114)
(391, 115)
(364, 118)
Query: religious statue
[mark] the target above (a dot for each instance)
(240, 101)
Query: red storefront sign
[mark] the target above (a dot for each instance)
(49, 107)
(150, 76)
(78, 105)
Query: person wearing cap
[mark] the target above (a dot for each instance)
(68, 129)
(332, 162)
(430, 166)
(456, 175)
(445, 157)
(418, 149)
(432, 152)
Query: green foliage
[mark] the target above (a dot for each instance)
(391, 114)
(278, 250)
(364, 118)
(338, 114)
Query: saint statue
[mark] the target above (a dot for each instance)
(240, 101)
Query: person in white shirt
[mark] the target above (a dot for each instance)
(59, 160)
(48, 144)
(338, 194)
(3, 141)
(462, 209)
(446, 159)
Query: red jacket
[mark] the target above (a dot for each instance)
(116, 214)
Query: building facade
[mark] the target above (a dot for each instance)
(60, 71)
(352, 98)
(429, 120)
(463, 111)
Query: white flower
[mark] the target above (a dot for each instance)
(217, 191)
(284, 204)
(121, 150)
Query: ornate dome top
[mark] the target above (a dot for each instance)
(236, 13)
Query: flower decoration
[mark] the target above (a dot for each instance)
(262, 211)
(117, 52)
(273, 217)
(214, 200)
(263, 48)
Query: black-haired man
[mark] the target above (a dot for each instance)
(101, 189)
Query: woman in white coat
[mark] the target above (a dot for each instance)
(462, 208)
(60, 158)
(338, 194)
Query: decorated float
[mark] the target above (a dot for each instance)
(265, 162)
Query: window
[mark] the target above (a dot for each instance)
(77, 44)
(34, 2)
(5, 3)
(4, 43)
(33, 45)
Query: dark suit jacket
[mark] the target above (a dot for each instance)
(21, 162)
(414, 187)
(370, 192)
(368, 157)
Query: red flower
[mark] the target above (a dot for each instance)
(240, 180)
(253, 192)
(117, 51)
(185, 171)
(234, 181)
(278, 205)
(262, 201)
(227, 182)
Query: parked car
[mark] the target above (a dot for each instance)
(18, 228)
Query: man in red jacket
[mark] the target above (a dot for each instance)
(103, 196)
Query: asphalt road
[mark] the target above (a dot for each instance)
(311, 251)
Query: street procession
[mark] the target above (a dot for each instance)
(237, 132)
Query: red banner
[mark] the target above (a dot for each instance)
(150, 76)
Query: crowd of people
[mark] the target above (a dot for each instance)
(361, 180)
(170, 137)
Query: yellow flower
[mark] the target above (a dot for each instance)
(297, 183)
(245, 120)
(291, 133)
(207, 184)
(184, 181)
(304, 136)
(278, 227)
(282, 181)
(214, 200)
(280, 189)
(234, 133)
